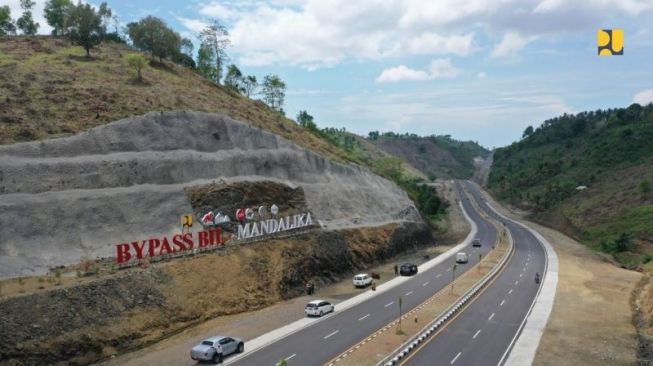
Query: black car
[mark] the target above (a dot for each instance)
(408, 269)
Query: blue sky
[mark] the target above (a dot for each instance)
(479, 70)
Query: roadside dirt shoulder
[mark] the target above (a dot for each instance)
(591, 320)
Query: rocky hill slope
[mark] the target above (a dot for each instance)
(63, 199)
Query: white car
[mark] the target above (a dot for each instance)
(462, 257)
(318, 308)
(205, 351)
(362, 280)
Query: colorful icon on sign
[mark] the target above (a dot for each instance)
(274, 210)
(610, 42)
(240, 214)
(186, 221)
(207, 219)
(261, 212)
(249, 214)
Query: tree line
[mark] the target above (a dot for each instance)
(86, 26)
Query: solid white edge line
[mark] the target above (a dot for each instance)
(524, 345)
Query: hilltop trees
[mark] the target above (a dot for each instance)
(215, 40)
(153, 35)
(84, 26)
(6, 24)
(26, 22)
(56, 12)
(274, 92)
(249, 85)
(234, 79)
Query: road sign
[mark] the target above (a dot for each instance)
(186, 221)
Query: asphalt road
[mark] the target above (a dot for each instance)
(483, 332)
(324, 340)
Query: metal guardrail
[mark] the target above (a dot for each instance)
(430, 329)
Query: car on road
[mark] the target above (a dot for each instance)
(362, 280)
(205, 351)
(462, 257)
(408, 269)
(319, 308)
(476, 242)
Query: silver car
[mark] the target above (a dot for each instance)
(205, 351)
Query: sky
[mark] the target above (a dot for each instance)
(480, 70)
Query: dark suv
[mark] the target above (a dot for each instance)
(408, 269)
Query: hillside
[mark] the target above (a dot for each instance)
(48, 88)
(588, 175)
(435, 156)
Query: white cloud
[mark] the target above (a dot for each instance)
(430, 43)
(644, 97)
(439, 68)
(481, 75)
(401, 73)
(511, 44)
(632, 7)
(37, 14)
(194, 25)
(219, 11)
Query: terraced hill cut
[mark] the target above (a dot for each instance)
(64, 199)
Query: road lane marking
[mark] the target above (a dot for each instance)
(291, 356)
(359, 319)
(331, 334)
(455, 358)
(476, 334)
(448, 269)
(425, 283)
(502, 302)
(390, 303)
(521, 274)
(509, 292)
(491, 316)
(408, 293)
(516, 282)
(439, 275)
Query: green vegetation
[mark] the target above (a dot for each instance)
(138, 62)
(26, 22)
(7, 25)
(85, 26)
(588, 174)
(436, 156)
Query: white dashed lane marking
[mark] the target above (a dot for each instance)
(476, 334)
(425, 283)
(408, 293)
(390, 303)
(359, 319)
(491, 316)
(455, 358)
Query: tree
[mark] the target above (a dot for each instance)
(527, 132)
(303, 118)
(205, 61)
(56, 12)
(216, 37)
(137, 61)
(26, 23)
(234, 79)
(274, 91)
(373, 135)
(84, 27)
(105, 15)
(249, 85)
(153, 35)
(6, 24)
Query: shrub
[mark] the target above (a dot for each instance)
(138, 62)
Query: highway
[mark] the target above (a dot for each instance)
(484, 331)
(326, 339)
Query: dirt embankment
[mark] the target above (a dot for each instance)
(82, 324)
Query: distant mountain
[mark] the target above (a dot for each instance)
(435, 156)
(588, 174)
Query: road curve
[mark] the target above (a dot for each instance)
(483, 333)
(320, 342)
